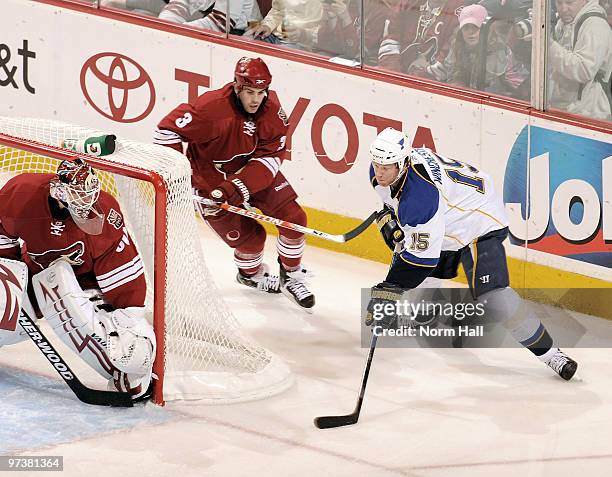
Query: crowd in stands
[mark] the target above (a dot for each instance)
(485, 46)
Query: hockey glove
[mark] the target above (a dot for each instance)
(233, 193)
(387, 223)
(382, 309)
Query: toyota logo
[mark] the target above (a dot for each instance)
(117, 87)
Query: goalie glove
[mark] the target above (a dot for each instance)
(382, 308)
(388, 226)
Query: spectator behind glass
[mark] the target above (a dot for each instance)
(292, 23)
(143, 7)
(340, 30)
(208, 14)
(513, 23)
(607, 6)
(580, 62)
(464, 61)
(419, 38)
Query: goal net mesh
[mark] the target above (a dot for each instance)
(205, 355)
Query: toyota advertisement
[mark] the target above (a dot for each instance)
(129, 87)
(122, 78)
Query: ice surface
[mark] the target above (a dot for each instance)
(427, 412)
(38, 411)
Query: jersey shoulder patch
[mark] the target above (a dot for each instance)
(113, 217)
(283, 116)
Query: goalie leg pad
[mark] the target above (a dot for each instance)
(13, 296)
(119, 345)
(19, 335)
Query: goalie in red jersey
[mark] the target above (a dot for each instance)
(86, 274)
(235, 139)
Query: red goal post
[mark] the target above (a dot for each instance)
(202, 354)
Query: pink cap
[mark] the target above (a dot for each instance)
(472, 14)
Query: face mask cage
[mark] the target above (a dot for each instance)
(77, 186)
(81, 200)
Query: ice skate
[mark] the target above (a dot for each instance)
(293, 284)
(563, 365)
(262, 280)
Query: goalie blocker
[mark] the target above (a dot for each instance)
(119, 345)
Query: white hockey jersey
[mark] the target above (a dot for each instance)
(441, 204)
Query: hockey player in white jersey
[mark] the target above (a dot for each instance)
(438, 213)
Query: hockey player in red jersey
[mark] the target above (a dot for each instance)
(235, 139)
(419, 37)
(79, 255)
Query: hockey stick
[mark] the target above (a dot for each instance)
(85, 394)
(288, 225)
(327, 422)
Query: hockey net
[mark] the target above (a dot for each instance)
(201, 351)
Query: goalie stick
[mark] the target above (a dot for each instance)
(289, 225)
(83, 393)
(327, 422)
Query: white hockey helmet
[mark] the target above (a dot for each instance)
(390, 147)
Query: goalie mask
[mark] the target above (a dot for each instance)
(77, 188)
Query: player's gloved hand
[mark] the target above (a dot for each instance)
(387, 224)
(227, 192)
(232, 192)
(206, 211)
(382, 309)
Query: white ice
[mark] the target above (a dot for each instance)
(427, 412)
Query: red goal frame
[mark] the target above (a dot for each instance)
(159, 247)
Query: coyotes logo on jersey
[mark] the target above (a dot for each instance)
(72, 254)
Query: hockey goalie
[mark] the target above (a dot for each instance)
(87, 278)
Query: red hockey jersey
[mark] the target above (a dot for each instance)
(421, 30)
(225, 142)
(335, 39)
(109, 261)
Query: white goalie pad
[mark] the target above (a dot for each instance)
(119, 345)
(13, 296)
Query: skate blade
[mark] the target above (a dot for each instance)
(295, 303)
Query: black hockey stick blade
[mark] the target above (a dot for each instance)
(328, 422)
(98, 397)
(82, 392)
(360, 228)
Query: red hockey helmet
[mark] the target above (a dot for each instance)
(252, 72)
